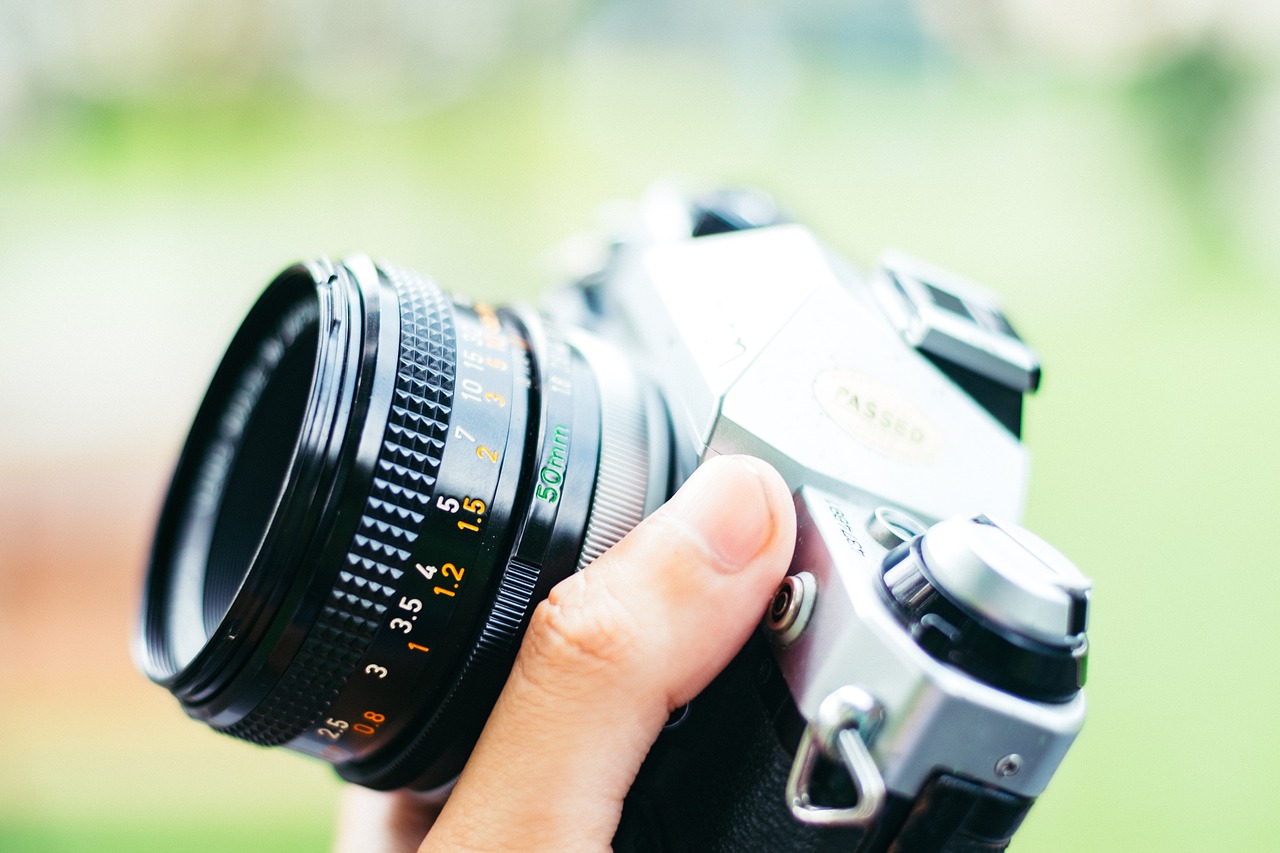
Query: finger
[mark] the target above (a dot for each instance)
(384, 821)
(610, 653)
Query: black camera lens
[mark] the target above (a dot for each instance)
(380, 485)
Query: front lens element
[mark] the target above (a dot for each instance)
(264, 426)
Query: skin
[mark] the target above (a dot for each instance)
(607, 657)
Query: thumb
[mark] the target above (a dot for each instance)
(610, 653)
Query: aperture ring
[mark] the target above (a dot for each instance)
(379, 553)
(549, 513)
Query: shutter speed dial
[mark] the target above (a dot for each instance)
(995, 601)
(1010, 576)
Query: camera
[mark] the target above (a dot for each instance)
(384, 479)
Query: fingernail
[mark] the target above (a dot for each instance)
(728, 501)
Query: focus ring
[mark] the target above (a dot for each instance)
(379, 554)
(622, 481)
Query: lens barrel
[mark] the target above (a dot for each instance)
(380, 485)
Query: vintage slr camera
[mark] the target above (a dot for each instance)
(384, 479)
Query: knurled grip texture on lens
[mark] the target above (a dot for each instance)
(623, 477)
(487, 664)
(404, 476)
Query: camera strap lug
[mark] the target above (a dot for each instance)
(845, 723)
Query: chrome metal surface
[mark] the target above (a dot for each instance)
(1008, 575)
(792, 605)
(1009, 765)
(936, 718)
(953, 319)
(846, 720)
(891, 527)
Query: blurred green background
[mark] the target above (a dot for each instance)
(1110, 168)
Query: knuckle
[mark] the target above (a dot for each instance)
(582, 627)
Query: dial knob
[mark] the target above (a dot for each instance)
(1009, 576)
(995, 601)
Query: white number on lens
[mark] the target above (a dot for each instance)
(413, 605)
(427, 572)
(337, 724)
(374, 669)
(447, 504)
(403, 624)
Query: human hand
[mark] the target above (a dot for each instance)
(607, 657)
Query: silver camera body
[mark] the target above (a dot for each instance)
(890, 403)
